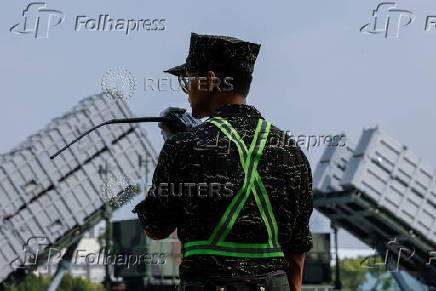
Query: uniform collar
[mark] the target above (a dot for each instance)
(237, 110)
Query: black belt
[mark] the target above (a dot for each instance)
(252, 283)
(223, 278)
(198, 286)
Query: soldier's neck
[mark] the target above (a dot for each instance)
(222, 100)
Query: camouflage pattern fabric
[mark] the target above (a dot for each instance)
(128, 239)
(277, 283)
(215, 52)
(205, 156)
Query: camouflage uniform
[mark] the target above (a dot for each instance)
(183, 195)
(215, 52)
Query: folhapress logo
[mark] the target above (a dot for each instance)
(38, 20)
(388, 20)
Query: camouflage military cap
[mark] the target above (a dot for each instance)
(214, 52)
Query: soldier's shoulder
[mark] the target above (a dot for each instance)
(288, 141)
(283, 138)
(187, 140)
(179, 141)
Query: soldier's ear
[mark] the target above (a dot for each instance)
(214, 82)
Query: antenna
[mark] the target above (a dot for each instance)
(112, 121)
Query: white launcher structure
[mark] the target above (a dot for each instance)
(380, 191)
(43, 202)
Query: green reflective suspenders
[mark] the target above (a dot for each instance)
(249, 159)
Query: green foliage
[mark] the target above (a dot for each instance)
(351, 272)
(78, 284)
(32, 283)
(68, 283)
(383, 280)
(354, 274)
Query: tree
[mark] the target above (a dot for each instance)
(33, 282)
(354, 274)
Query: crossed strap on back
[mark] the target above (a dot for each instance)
(249, 159)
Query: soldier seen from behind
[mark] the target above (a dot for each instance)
(236, 188)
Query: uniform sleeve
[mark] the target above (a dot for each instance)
(302, 237)
(159, 211)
